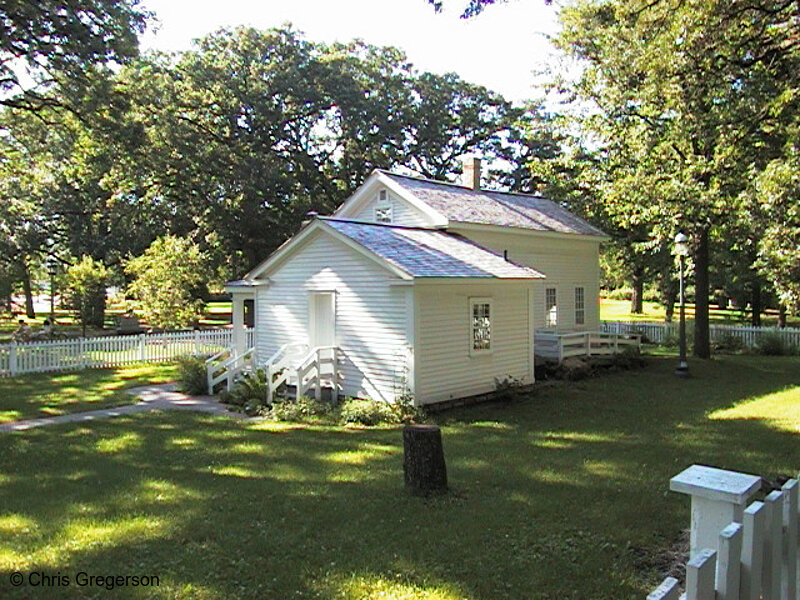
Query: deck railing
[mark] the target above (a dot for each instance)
(558, 346)
(111, 351)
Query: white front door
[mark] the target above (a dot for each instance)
(322, 319)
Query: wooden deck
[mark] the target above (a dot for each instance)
(558, 346)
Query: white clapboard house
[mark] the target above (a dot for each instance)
(419, 288)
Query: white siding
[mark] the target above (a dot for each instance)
(370, 314)
(444, 368)
(567, 263)
(403, 213)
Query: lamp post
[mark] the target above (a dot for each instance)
(682, 250)
(52, 269)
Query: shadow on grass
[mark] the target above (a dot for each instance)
(52, 394)
(550, 495)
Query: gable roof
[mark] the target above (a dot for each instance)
(486, 207)
(430, 253)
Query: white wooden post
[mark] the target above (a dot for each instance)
(700, 576)
(140, 347)
(773, 547)
(668, 590)
(12, 359)
(239, 336)
(718, 498)
(789, 568)
(269, 383)
(729, 562)
(82, 350)
(318, 378)
(753, 551)
(197, 342)
(335, 376)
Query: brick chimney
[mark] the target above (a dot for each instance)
(471, 174)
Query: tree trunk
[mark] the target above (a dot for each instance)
(782, 316)
(423, 460)
(669, 295)
(702, 341)
(96, 308)
(755, 302)
(7, 299)
(26, 286)
(637, 297)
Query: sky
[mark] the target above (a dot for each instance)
(501, 49)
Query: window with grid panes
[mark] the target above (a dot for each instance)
(550, 307)
(481, 325)
(580, 306)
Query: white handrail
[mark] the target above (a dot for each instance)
(227, 370)
(276, 368)
(218, 355)
(313, 361)
(280, 367)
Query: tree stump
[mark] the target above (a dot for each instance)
(423, 460)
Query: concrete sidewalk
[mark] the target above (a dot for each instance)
(151, 397)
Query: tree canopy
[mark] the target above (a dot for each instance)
(231, 143)
(687, 102)
(253, 129)
(44, 42)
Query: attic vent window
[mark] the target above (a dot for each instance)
(383, 208)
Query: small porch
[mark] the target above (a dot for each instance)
(240, 356)
(293, 371)
(553, 346)
(243, 317)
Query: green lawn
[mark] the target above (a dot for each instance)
(620, 310)
(50, 395)
(217, 314)
(563, 494)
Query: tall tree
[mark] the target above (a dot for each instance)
(253, 129)
(63, 185)
(169, 281)
(778, 189)
(44, 42)
(684, 96)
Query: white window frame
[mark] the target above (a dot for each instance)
(473, 302)
(580, 305)
(551, 310)
(384, 211)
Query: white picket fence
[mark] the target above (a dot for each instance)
(111, 351)
(658, 332)
(755, 557)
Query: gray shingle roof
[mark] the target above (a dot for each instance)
(431, 253)
(487, 207)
